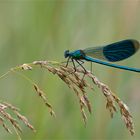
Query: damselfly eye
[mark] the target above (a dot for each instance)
(66, 53)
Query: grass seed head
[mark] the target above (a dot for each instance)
(78, 81)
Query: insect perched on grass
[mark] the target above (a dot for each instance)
(113, 52)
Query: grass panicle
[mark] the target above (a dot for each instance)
(78, 81)
(6, 110)
(74, 81)
(43, 97)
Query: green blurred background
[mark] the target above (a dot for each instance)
(42, 30)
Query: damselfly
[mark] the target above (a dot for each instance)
(112, 53)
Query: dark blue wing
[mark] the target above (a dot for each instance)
(120, 50)
(114, 52)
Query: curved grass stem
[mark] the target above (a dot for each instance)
(79, 85)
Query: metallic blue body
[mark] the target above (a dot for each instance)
(111, 65)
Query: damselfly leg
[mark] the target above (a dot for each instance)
(79, 62)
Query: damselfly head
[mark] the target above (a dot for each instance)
(66, 53)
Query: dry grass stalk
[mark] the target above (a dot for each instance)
(76, 82)
(79, 85)
(5, 108)
(42, 95)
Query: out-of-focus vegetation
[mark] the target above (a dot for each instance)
(42, 30)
